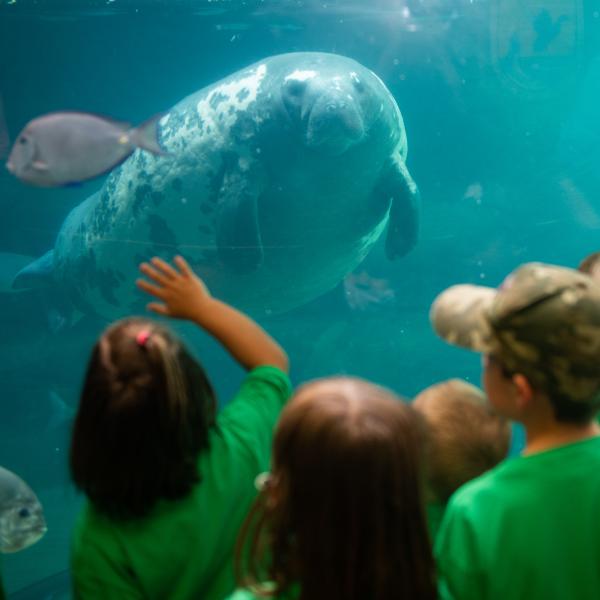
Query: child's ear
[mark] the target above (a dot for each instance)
(524, 391)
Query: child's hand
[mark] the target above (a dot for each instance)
(183, 293)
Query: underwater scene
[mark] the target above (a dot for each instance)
(327, 166)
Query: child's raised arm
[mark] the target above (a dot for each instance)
(184, 296)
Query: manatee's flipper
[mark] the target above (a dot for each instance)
(403, 228)
(37, 274)
(239, 242)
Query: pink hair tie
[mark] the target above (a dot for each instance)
(142, 338)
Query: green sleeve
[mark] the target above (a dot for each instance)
(457, 557)
(98, 567)
(251, 416)
(241, 595)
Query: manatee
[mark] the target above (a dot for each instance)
(281, 178)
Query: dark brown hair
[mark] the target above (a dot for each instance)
(343, 514)
(144, 416)
(466, 437)
(566, 410)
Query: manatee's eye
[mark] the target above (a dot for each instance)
(23, 140)
(295, 88)
(24, 513)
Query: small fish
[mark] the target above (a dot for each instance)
(4, 140)
(66, 148)
(22, 520)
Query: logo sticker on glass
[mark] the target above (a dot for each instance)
(535, 42)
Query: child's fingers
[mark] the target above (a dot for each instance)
(165, 267)
(183, 266)
(153, 290)
(149, 271)
(158, 308)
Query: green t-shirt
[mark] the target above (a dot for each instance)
(184, 548)
(526, 530)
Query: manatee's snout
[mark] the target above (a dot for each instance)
(335, 124)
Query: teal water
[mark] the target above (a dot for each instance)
(500, 101)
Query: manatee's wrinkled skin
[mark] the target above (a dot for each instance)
(280, 181)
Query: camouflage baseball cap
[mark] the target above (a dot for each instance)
(543, 322)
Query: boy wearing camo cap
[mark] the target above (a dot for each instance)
(529, 528)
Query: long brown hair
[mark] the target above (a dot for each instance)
(342, 515)
(144, 416)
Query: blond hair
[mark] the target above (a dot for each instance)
(466, 437)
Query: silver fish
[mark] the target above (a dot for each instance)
(22, 521)
(66, 148)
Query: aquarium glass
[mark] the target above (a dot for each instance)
(499, 101)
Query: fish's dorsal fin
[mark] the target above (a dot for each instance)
(122, 125)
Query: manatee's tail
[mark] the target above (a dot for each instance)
(59, 310)
(145, 136)
(37, 274)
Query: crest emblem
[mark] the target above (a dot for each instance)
(536, 42)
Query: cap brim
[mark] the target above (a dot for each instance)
(459, 315)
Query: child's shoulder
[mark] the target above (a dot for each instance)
(267, 385)
(245, 425)
(241, 595)
(486, 484)
(266, 375)
(543, 469)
